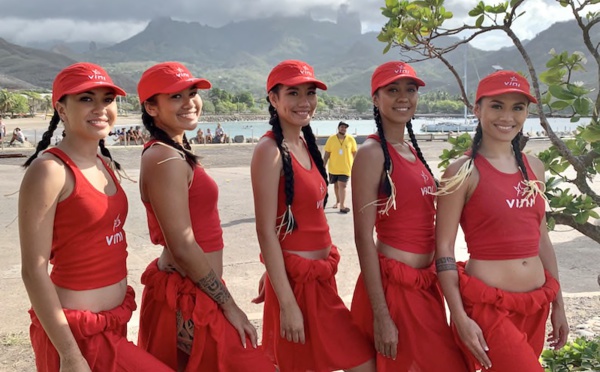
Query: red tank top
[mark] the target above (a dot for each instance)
(203, 195)
(312, 231)
(89, 247)
(498, 221)
(409, 227)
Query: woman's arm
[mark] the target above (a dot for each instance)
(41, 189)
(265, 171)
(449, 210)
(366, 178)
(560, 326)
(165, 186)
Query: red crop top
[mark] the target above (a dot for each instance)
(410, 227)
(312, 231)
(498, 222)
(203, 195)
(89, 247)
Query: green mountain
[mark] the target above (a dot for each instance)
(238, 56)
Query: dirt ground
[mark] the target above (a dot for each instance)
(578, 256)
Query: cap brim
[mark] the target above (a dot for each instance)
(93, 85)
(508, 90)
(181, 85)
(390, 80)
(297, 80)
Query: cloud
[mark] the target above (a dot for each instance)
(117, 20)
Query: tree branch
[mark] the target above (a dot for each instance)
(587, 229)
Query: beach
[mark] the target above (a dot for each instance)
(228, 164)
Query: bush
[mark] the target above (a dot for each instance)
(579, 355)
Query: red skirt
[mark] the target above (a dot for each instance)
(216, 345)
(102, 339)
(416, 305)
(513, 324)
(333, 341)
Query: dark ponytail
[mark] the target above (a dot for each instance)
(516, 145)
(315, 154)
(162, 136)
(386, 185)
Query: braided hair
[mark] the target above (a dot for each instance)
(387, 187)
(162, 136)
(287, 222)
(47, 137)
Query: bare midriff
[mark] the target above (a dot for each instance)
(515, 275)
(319, 254)
(94, 300)
(167, 263)
(414, 260)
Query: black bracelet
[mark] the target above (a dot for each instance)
(445, 264)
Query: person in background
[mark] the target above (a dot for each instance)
(306, 326)
(340, 150)
(500, 298)
(188, 318)
(72, 210)
(397, 300)
(209, 136)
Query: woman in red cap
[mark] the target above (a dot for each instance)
(71, 214)
(500, 299)
(397, 300)
(306, 326)
(188, 318)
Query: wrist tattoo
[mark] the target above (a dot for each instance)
(214, 288)
(445, 264)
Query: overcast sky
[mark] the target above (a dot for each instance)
(116, 20)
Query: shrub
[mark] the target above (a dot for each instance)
(581, 354)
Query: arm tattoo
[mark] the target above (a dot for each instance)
(445, 264)
(214, 288)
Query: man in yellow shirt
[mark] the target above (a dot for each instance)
(340, 150)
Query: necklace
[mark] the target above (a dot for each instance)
(342, 141)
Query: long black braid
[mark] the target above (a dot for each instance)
(413, 140)
(162, 136)
(47, 137)
(315, 154)
(476, 141)
(516, 144)
(286, 160)
(386, 186)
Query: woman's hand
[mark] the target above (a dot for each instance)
(260, 298)
(74, 363)
(471, 335)
(292, 323)
(560, 327)
(386, 336)
(240, 322)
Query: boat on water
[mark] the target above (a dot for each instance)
(448, 126)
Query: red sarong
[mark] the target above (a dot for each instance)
(513, 324)
(333, 341)
(216, 345)
(102, 339)
(416, 305)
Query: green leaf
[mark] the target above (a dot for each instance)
(479, 21)
(387, 48)
(551, 223)
(575, 118)
(582, 106)
(561, 93)
(559, 105)
(591, 133)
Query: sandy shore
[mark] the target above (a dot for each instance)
(578, 256)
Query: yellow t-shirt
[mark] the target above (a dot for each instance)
(340, 154)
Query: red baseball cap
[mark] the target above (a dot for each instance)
(501, 82)
(293, 72)
(81, 77)
(168, 77)
(392, 71)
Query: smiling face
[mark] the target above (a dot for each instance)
(397, 101)
(296, 104)
(176, 112)
(502, 116)
(90, 114)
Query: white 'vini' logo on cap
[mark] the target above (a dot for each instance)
(181, 73)
(97, 75)
(513, 82)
